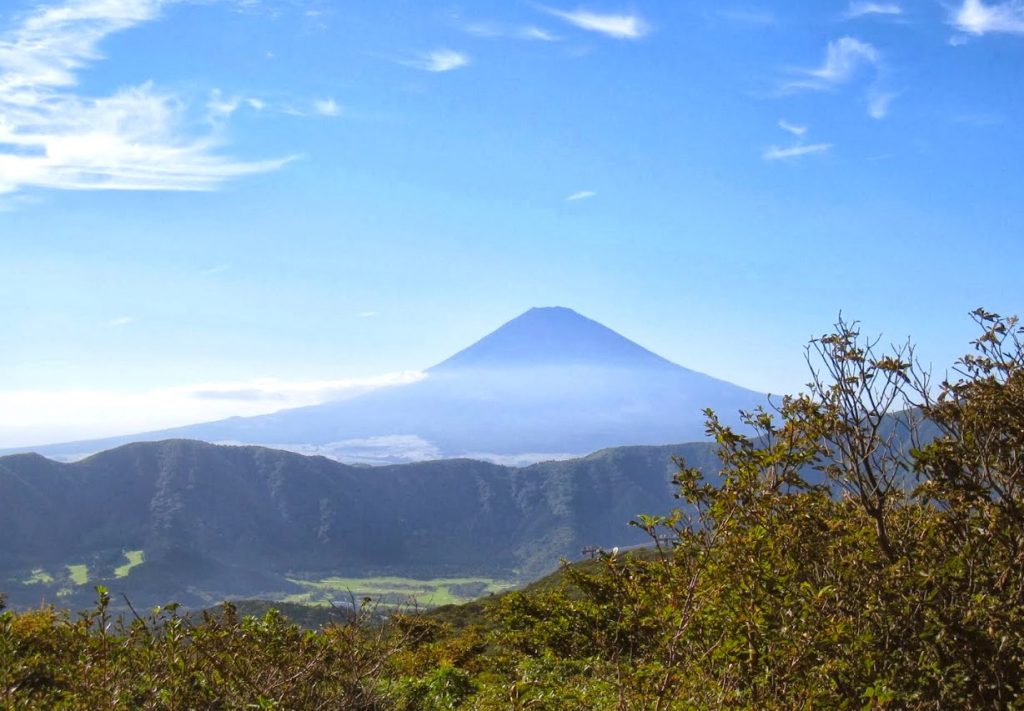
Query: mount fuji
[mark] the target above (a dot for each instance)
(548, 384)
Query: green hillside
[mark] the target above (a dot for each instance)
(199, 523)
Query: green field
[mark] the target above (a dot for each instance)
(134, 558)
(396, 591)
(79, 574)
(38, 577)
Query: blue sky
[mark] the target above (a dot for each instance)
(293, 198)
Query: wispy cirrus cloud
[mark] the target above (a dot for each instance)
(522, 32)
(438, 60)
(798, 149)
(219, 106)
(218, 269)
(844, 57)
(52, 136)
(532, 32)
(878, 103)
(776, 153)
(580, 195)
(792, 128)
(120, 321)
(863, 9)
(974, 17)
(326, 107)
(620, 26)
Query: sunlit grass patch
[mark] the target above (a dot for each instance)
(38, 577)
(134, 558)
(79, 574)
(390, 590)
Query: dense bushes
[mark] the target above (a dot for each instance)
(905, 590)
(49, 660)
(851, 553)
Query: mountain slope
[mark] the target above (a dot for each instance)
(241, 520)
(549, 336)
(550, 382)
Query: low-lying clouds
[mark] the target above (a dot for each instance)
(139, 138)
(32, 417)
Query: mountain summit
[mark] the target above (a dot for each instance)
(552, 335)
(548, 384)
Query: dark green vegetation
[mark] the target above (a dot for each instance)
(197, 523)
(899, 583)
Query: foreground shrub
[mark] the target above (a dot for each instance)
(861, 547)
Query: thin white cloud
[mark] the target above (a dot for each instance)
(624, 26)
(494, 30)
(120, 321)
(136, 139)
(976, 18)
(798, 149)
(846, 59)
(788, 127)
(776, 153)
(439, 60)
(484, 29)
(861, 9)
(531, 32)
(580, 195)
(219, 269)
(219, 106)
(368, 314)
(878, 103)
(306, 391)
(30, 417)
(843, 58)
(326, 107)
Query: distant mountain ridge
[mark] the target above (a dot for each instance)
(549, 383)
(216, 521)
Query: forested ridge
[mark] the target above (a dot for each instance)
(837, 560)
(214, 522)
